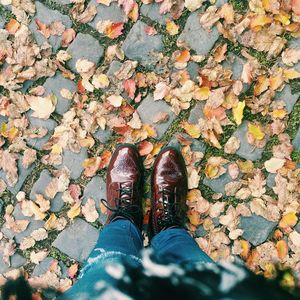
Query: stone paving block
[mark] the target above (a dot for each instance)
(218, 184)
(246, 150)
(195, 146)
(39, 123)
(62, 2)
(196, 113)
(256, 229)
(152, 12)
(2, 22)
(193, 69)
(149, 108)
(288, 98)
(220, 3)
(103, 135)
(18, 215)
(73, 161)
(271, 180)
(112, 13)
(295, 44)
(200, 231)
(54, 85)
(86, 47)
(96, 189)
(22, 173)
(16, 261)
(140, 46)
(39, 188)
(296, 140)
(78, 240)
(297, 227)
(47, 16)
(113, 68)
(196, 37)
(1, 205)
(44, 265)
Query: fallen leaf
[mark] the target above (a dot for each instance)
(74, 210)
(29, 157)
(255, 131)
(114, 30)
(100, 81)
(37, 257)
(192, 5)
(161, 117)
(183, 56)
(274, 164)
(289, 220)
(238, 112)
(171, 27)
(232, 145)
(149, 30)
(282, 249)
(83, 65)
(72, 270)
(130, 87)
(145, 148)
(161, 90)
(89, 211)
(42, 107)
(192, 130)
(115, 100)
(67, 37)
(12, 26)
(296, 6)
(201, 93)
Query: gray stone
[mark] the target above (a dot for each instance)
(246, 150)
(296, 140)
(196, 113)
(22, 175)
(103, 135)
(152, 12)
(218, 184)
(196, 37)
(54, 85)
(193, 69)
(96, 189)
(297, 227)
(256, 229)
(16, 261)
(149, 108)
(200, 231)
(44, 265)
(288, 98)
(271, 180)
(113, 68)
(295, 44)
(86, 47)
(140, 46)
(1, 205)
(2, 22)
(18, 215)
(47, 16)
(220, 3)
(73, 161)
(62, 2)
(78, 240)
(39, 188)
(39, 123)
(112, 13)
(195, 146)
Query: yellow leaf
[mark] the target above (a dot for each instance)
(201, 93)
(50, 223)
(245, 166)
(238, 112)
(282, 249)
(288, 220)
(276, 81)
(259, 21)
(3, 129)
(283, 17)
(245, 249)
(171, 27)
(38, 215)
(194, 217)
(74, 211)
(256, 131)
(279, 113)
(56, 149)
(192, 130)
(289, 74)
(261, 85)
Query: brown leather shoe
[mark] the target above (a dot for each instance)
(124, 185)
(169, 191)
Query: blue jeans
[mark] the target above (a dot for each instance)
(122, 239)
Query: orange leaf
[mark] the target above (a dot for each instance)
(72, 271)
(145, 148)
(134, 13)
(114, 30)
(261, 85)
(282, 249)
(67, 37)
(12, 26)
(183, 57)
(42, 28)
(289, 74)
(105, 158)
(194, 217)
(288, 220)
(259, 21)
(80, 87)
(130, 87)
(245, 249)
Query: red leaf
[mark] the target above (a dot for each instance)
(130, 87)
(145, 148)
(114, 30)
(80, 87)
(75, 191)
(149, 30)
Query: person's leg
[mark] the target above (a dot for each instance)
(175, 245)
(120, 239)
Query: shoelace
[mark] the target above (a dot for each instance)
(168, 216)
(123, 205)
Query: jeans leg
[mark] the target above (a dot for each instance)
(175, 245)
(120, 239)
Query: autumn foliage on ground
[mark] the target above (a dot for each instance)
(260, 33)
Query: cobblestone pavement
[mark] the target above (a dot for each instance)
(106, 88)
